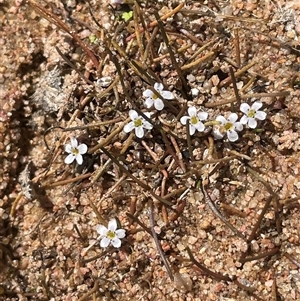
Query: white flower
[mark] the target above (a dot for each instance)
(75, 151)
(227, 126)
(104, 81)
(138, 123)
(152, 99)
(110, 234)
(194, 118)
(116, 1)
(252, 113)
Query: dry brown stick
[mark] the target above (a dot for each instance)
(149, 44)
(172, 56)
(157, 242)
(92, 125)
(257, 224)
(198, 61)
(274, 289)
(53, 19)
(68, 181)
(235, 89)
(74, 67)
(154, 23)
(156, 159)
(139, 182)
(292, 259)
(137, 29)
(92, 291)
(169, 147)
(213, 161)
(175, 192)
(273, 197)
(178, 153)
(191, 37)
(237, 74)
(135, 219)
(260, 256)
(87, 99)
(237, 47)
(205, 270)
(99, 172)
(245, 96)
(109, 137)
(213, 208)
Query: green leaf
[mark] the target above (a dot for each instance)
(127, 16)
(93, 39)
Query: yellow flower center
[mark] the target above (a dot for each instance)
(138, 122)
(194, 120)
(228, 126)
(251, 113)
(111, 234)
(154, 96)
(75, 151)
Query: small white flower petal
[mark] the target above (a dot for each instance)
(129, 127)
(68, 148)
(74, 142)
(217, 134)
(232, 136)
(167, 95)
(116, 242)
(202, 115)
(260, 115)
(199, 126)
(158, 87)
(148, 114)
(102, 230)
(104, 242)
(238, 126)
(232, 117)
(149, 103)
(120, 233)
(221, 119)
(252, 123)
(192, 130)
(256, 105)
(69, 159)
(148, 93)
(133, 114)
(244, 119)
(139, 132)
(82, 148)
(184, 119)
(159, 104)
(112, 225)
(192, 111)
(147, 125)
(244, 107)
(79, 159)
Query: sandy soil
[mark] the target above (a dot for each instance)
(205, 218)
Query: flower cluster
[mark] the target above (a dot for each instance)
(221, 126)
(225, 126)
(110, 235)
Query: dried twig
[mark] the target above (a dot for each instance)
(218, 214)
(157, 243)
